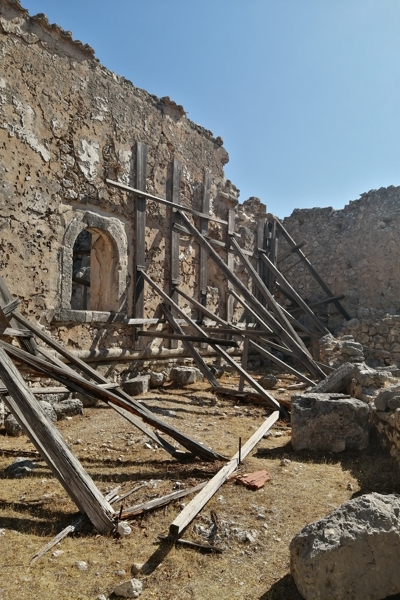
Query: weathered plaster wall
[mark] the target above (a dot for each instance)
(67, 123)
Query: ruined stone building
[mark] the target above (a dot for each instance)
(67, 124)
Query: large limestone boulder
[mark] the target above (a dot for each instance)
(329, 423)
(137, 386)
(352, 553)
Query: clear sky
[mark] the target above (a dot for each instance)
(304, 93)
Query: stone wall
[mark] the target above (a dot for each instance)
(356, 250)
(66, 124)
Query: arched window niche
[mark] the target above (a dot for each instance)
(94, 269)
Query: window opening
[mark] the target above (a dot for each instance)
(80, 296)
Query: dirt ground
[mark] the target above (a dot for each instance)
(253, 528)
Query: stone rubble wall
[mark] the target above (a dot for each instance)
(356, 251)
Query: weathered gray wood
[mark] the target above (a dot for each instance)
(140, 233)
(187, 515)
(312, 270)
(215, 345)
(286, 285)
(10, 332)
(230, 260)
(166, 202)
(203, 274)
(321, 302)
(286, 368)
(303, 356)
(48, 441)
(78, 384)
(245, 357)
(289, 252)
(5, 321)
(186, 338)
(189, 347)
(276, 309)
(10, 307)
(174, 258)
(133, 511)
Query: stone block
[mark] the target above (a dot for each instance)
(68, 408)
(157, 379)
(185, 375)
(329, 423)
(268, 381)
(48, 410)
(13, 428)
(138, 385)
(337, 381)
(383, 398)
(351, 553)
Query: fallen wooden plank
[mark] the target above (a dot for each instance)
(138, 509)
(77, 383)
(178, 526)
(206, 548)
(49, 442)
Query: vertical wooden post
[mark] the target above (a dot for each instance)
(231, 264)
(140, 235)
(245, 357)
(260, 246)
(203, 277)
(176, 198)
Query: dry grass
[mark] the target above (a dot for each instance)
(35, 508)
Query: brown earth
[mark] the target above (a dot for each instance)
(254, 528)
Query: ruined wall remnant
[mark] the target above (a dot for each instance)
(66, 124)
(356, 250)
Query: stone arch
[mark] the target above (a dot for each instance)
(108, 261)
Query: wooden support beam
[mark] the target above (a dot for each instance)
(187, 515)
(174, 257)
(312, 270)
(186, 338)
(289, 252)
(7, 300)
(218, 348)
(230, 264)
(48, 441)
(274, 306)
(321, 302)
(133, 511)
(188, 345)
(140, 233)
(79, 384)
(287, 368)
(166, 202)
(286, 286)
(203, 275)
(245, 357)
(10, 307)
(301, 355)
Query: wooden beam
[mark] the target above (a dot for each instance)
(186, 338)
(140, 233)
(302, 356)
(166, 202)
(286, 285)
(187, 515)
(230, 264)
(203, 267)
(188, 345)
(81, 385)
(218, 348)
(133, 511)
(174, 257)
(48, 441)
(6, 300)
(289, 252)
(312, 270)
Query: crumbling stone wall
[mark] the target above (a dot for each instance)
(66, 124)
(356, 250)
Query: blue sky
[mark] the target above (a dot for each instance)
(304, 93)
